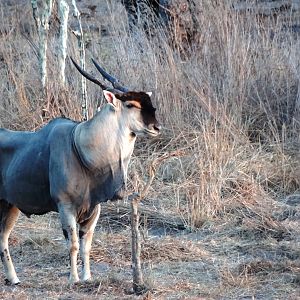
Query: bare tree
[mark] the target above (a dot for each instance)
(41, 13)
(79, 34)
(63, 13)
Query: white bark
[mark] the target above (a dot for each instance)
(35, 14)
(41, 15)
(63, 13)
(79, 34)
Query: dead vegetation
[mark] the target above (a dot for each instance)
(221, 220)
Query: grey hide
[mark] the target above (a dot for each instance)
(38, 169)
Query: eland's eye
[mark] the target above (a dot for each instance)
(129, 105)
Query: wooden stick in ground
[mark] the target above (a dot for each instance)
(138, 281)
(139, 286)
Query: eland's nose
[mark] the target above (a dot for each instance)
(157, 127)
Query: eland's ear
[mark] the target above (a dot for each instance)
(110, 97)
(149, 94)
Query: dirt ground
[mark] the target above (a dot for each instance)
(221, 261)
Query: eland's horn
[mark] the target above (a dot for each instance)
(89, 76)
(110, 78)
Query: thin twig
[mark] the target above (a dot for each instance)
(139, 286)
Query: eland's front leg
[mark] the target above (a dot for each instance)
(8, 217)
(86, 231)
(68, 222)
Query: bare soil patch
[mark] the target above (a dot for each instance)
(221, 261)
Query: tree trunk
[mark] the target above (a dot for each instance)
(63, 12)
(79, 34)
(41, 16)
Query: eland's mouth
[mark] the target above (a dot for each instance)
(152, 132)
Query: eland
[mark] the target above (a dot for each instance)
(71, 167)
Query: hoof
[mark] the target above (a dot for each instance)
(73, 280)
(87, 278)
(15, 281)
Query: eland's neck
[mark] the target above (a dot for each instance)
(104, 141)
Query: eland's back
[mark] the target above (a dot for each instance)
(24, 165)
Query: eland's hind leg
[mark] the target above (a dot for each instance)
(86, 231)
(8, 217)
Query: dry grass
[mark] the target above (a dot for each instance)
(229, 103)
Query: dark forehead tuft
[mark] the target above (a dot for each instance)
(141, 97)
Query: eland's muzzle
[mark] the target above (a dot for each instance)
(153, 130)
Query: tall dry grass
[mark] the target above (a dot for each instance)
(228, 101)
